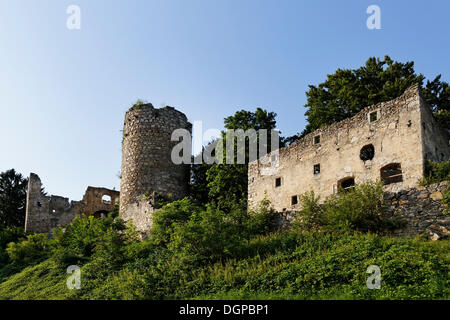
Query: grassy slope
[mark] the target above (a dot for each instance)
(279, 267)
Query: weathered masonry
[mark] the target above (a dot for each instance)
(44, 213)
(390, 141)
(147, 168)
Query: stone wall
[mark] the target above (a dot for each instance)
(422, 210)
(147, 167)
(400, 134)
(44, 212)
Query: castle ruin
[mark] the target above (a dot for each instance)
(147, 169)
(43, 213)
(390, 141)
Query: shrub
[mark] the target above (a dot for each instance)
(356, 209)
(436, 172)
(310, 217)
(78, 242)
(164, 220)
(35, 248)
(7, 235)
(212, 234)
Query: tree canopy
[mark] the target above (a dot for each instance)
(13, 191)
(227, 184)
(347, 91)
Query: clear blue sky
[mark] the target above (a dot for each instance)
(63, 93)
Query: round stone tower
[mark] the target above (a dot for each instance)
(147, 167)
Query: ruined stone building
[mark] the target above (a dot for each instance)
(147, 171)
(389, 141)
(44, 213)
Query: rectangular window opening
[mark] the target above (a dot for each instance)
(294, 200)
(317, 168)
(317, 139)
(373, 116)
(277, 182)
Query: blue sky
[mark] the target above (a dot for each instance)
(63, 93)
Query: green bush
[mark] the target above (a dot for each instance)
(356, 209)
(7, 235)
(436, 172)
(33, 249)
(164, 220)
(86, 235)
(310, 216)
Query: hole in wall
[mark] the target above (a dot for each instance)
(317, 139)
(317, 168)
(367, 152)
(346, 184)
(277, 182)
(391, 173)
(106, 199)
(373, 116)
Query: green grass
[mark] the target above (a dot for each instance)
(45, 281)
(287, 265)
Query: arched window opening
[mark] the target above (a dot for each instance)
(391, 173)
(367, 152)
(346, 184)
(106, 199)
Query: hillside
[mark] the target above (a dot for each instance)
(278, 266)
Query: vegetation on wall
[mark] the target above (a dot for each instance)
(356, 209)
(436, 172)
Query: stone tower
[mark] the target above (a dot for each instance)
(146, 161)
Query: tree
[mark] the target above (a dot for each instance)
(13, 192)
(346, 92)
(227, 183)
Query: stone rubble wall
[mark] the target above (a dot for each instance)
(422, 209)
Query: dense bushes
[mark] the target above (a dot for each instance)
(287, 265)
(356, 209)
(203, 252)
(207, 233)
(8, 235)
(31, 250)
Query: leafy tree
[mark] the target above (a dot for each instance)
(198, 186)
(348, 91)
(227, 183)
(13, 191)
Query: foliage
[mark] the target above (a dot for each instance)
(86, 236)
(446, 200)
(11, 234)
(347, 91)
(310, 216)
(227, 183)
(13, 188)
(436, 172)
(356, 209)
(35, 248)
(287, 265)
(198, 233)
(165, 220)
